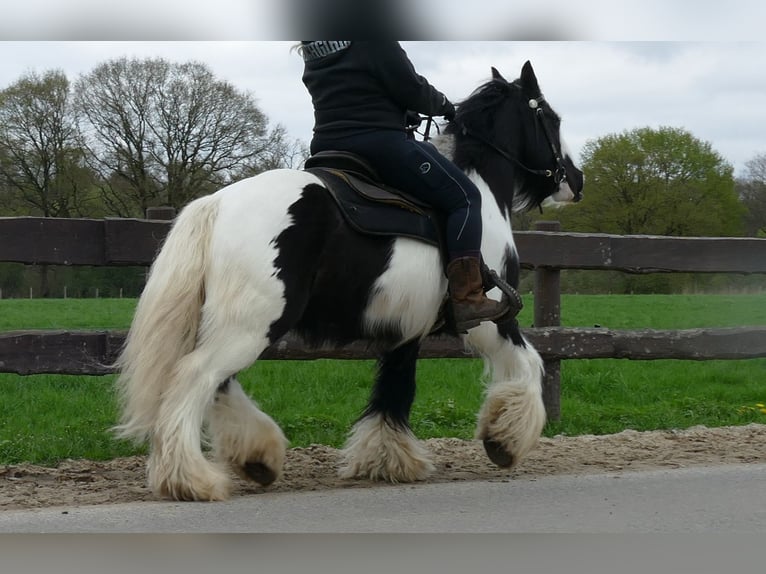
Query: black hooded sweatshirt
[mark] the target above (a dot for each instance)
(357, 87)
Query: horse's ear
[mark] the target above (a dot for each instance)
(529, 80)
(497, 75)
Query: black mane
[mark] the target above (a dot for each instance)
(487, 96)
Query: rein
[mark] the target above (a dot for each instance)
(509, 157)
(427, 132)
(558, 174)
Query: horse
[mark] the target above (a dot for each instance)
(272, 254)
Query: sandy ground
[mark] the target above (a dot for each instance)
(84, 482)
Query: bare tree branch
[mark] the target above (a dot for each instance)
(752, 193)
(166, 133)
(41, 163)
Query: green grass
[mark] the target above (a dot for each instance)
(22, 314)
(608, 396)
(47, 418)
(662, 311)
(611, 311)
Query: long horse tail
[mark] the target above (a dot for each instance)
(166, 319)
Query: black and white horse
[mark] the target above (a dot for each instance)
(271, 254)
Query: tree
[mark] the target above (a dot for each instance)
(658, 182)
(166, 133)
(41, 161)
(752, 192)
(281, 152)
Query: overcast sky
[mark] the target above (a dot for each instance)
(606, 67)
(716, 91)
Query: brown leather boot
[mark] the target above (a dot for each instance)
(469, 303)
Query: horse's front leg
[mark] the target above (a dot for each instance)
(381, 445)
(513, 414)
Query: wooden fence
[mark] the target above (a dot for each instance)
(118, 242)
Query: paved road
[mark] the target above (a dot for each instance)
(708, 499)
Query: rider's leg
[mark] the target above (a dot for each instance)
(420, 170)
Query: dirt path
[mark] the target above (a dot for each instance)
(83, 482)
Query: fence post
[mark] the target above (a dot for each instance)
(548, 314)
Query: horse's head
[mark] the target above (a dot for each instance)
(508, 132)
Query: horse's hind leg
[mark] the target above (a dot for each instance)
(177, 467)
(245, 437)
(381, 445)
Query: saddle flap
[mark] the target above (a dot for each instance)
(362, 177)
(384, 194)
(375, 210)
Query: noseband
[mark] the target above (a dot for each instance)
(558, 173)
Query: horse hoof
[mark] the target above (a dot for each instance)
(498, 454)
(259, 472)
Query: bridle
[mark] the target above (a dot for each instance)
(558, 173)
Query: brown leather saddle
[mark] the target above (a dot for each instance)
(369, 206)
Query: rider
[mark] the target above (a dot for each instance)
(361, 93)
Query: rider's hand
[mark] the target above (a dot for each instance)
(413, 119)
(449, 111)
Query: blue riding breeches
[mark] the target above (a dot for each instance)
(417, 168)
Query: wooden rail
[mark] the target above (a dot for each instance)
(117, 242)
(37, 240)
(92, 352)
